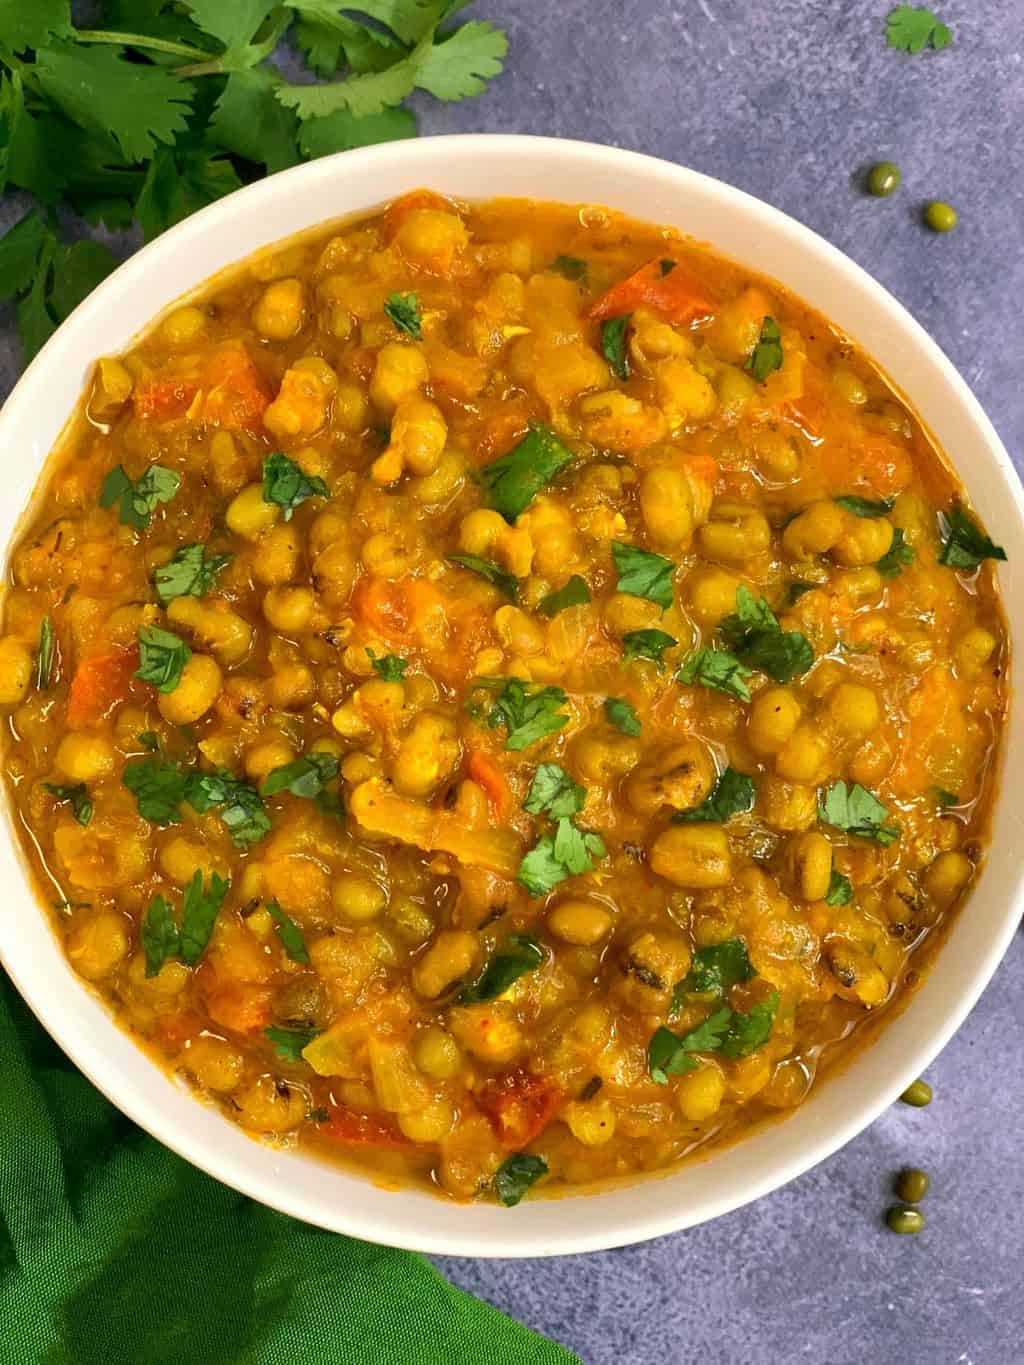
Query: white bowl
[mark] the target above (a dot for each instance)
(738, 227)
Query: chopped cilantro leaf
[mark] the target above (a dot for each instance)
(946, 798)
(854, 810)
(964, 543)
(840, 889)
(158, 935)
(717, 669)
(528, 711)
(288, 932)
(286, 485)
(236, 801)
(404, 312)
(162, 656)
(912, 28)
(138, 501)
(290, 1042)
(552, 860)
(767, 354)
(77, 796)
(554, 791)
(732, 794)
(199, 913)
(622, 714)
(643, 574)
(717, 968)
(516, 1174)
(865, 507)
(487, 569)
(148, 739)
(158, 788)
(330, 804)
(754, 635)
(44, 654)
(389, 666)
(647, 644)
(669, 1055)
(190, 573)
(570, 266)
(898, 556)
(514, 480)
(747, 1032)
(521, 954)
(304, 777)
(573, 594)
(575, 849)
(613, 344)
(540, 871)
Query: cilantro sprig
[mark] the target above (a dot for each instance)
(514, 480)
(516, 1174)
(77, 796)
(389, 666)
(754, 635)
(855, 810)
(159, 110)
(767, 353)
(575, 593)
(521, 954)
(613, 344)
(647, 644)
(642, 573)
(160, 787)
(898, 557)
(137, 499)
(964, 543)
(161, 935)
(726, 1031)
(404, 311)
(570, 851)
(528, 711)
(287, 486)
(912, 28)
(716, 669)
(191, 572)
(732, 794)
(488, 570)
(622, 714)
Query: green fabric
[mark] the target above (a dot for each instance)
(113, 1251)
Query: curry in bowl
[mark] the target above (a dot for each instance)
(499, 695)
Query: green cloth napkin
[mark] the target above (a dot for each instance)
(114, 1251)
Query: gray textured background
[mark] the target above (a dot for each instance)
(791, 100)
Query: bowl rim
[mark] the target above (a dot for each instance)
(538, 1233)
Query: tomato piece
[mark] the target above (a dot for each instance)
(486, 773)
(235, 393)
(362, 1130)
(520, 1105)
(381, 605)
(98, 683)
(229, 392)
(165, 398)
(396, 213)
(674, 294)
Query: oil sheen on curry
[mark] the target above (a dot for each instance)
(499, 695)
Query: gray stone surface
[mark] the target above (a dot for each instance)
(790, 100)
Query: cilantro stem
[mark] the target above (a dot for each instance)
(141, 40)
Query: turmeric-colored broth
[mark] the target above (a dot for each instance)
(545, 864)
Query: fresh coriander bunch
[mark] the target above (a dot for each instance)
(169, 104)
